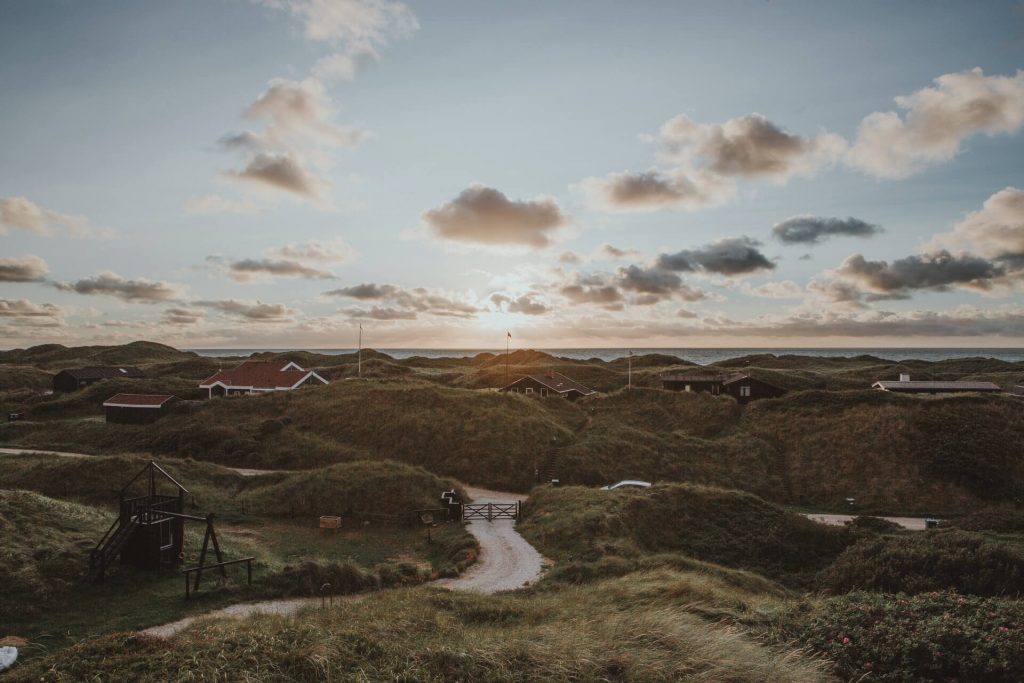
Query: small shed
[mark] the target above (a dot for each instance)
(138, 408)
(74, 379)
(549, 384)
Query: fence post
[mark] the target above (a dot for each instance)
(490, 512)
(186, 585)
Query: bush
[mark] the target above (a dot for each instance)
(964, 561)
(929, 637)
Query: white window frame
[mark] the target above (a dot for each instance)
(745, 391)
(529, 390)
(544, 393)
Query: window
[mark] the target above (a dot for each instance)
(687, 388)
(543, 392)
(529, 390)
(745, 390)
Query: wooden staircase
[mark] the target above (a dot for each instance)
(109, 547)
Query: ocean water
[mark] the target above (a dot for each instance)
(700, 356)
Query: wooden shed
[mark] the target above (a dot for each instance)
(549, 384)
(740, 386)
(138, 408)
(74, 379)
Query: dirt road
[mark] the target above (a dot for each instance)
(506, 560)
(244, 471)
(912, 523)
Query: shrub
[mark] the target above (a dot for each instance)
(964, 561)
(939, 636)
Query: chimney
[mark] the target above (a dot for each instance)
(904, 377)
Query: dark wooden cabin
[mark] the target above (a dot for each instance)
(148, 531)
(549, 384)
(741, 387)
(74, 379)
(138, 408)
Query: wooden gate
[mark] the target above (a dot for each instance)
(490, 511)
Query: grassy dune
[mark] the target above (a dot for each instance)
(638, 628)
(45, 548)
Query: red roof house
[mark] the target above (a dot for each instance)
(256, 376)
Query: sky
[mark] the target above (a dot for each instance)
(276, 173)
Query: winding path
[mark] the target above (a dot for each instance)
(506, 560)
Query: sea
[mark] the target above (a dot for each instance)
(693, 355)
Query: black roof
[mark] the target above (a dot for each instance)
(103, 372)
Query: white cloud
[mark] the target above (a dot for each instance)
(19, 213)
(937, 121)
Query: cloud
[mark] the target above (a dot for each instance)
(332, 251)
(815, 229)
(936, 122)
(525, 304)
(731, 256)
(141, 291)
(25, 269)
(611, 253)
(210, 204)
(786, 289)
(938, 272)
(287, 155)
(749, 147)
(409, 301)
(570, 257)
(358, 22)
(181, 316)
(24, 312)
(656, 190)
(254, 312)
(19, 213)
(354, 28)
(248, 270)
(483, 215)
(380, 313)
(702, 163)
(644, 286)
(996, 231)
(281, 172)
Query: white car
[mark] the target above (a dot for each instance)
(628, 484)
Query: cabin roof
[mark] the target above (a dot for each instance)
(262, 374)
(137, 400)
(916, 385)
(103, 372)
(556, 381)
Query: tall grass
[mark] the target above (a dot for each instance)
(620, 630)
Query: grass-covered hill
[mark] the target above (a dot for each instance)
(58, 356)
(637, 628)
(45, 547)
(731, 528)
(363, 489)
(814, 447)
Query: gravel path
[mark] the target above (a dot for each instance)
(506, 560)
(282, 608)
(244, 471)
(912, 523)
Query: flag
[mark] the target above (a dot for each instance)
(509, 334)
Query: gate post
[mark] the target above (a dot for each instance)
(490, 512)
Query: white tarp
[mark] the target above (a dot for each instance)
(8, 655)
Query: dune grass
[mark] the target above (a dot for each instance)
(637, 628)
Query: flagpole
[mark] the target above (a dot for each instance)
(508, 337)
(629, 373)
(359, 353)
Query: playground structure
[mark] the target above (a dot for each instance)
(149, 532)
